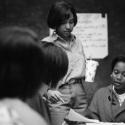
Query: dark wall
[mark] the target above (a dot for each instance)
(33, 13)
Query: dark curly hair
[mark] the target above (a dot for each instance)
(117, 59)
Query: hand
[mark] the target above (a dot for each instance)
(54, 96)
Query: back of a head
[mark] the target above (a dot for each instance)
(56, 62)
(21, 62)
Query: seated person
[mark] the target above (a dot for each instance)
(108, 103)
(21, 75)
(56, 66)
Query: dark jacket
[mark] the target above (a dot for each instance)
(105, 106)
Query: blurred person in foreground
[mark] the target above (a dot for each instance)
(21, 71)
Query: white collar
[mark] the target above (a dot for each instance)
(121, 97)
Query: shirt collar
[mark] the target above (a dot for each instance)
(121, 97)
(56, 36)
(65, 44)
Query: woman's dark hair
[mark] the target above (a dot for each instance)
(58, 13)
(117, 59)
(56, 62)
(21, 63)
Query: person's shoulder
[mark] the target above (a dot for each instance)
(25, 113)
(49, 39)
(103, 90)
(9, 116)
(78, 42)
(76, 38)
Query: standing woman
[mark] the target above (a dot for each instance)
(69, 93)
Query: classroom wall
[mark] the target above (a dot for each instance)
(33, 13)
